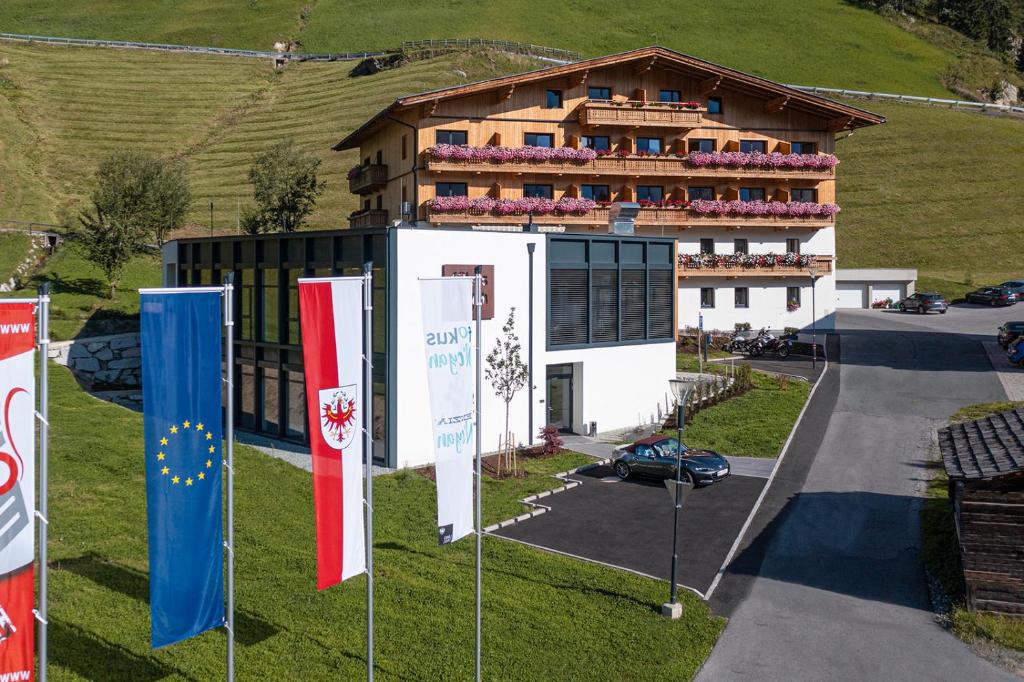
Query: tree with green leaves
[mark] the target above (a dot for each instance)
(136, 187)
(285, 189)
(506, 371)
(109, 242)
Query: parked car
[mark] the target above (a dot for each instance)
(1017, 285)
(1009, 332)
(1015, 352)
(992, 296)
(655, 457)
(923, 302)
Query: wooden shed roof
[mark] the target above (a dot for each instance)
(990, 447)
(841, 116)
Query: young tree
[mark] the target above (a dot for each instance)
(285, 188)
(506, 370)
(109, 242)
(140, 188)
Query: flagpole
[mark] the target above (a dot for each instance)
(368, 453)
(229, 464)
(44, 456)
(478, 310)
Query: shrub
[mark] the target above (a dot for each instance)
(743, 326)
(552, 439)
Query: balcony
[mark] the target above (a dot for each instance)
(366, 179)
(758, 265)
(639, 114)
(374, 217)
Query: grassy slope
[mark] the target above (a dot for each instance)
(13, 248)
(545, 617)
(934, 189)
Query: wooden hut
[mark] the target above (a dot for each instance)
(984, 459)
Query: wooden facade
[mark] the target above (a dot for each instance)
(984, 459)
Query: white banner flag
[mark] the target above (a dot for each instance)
(451, 380)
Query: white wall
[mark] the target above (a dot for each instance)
(766, 298)
(760, 239)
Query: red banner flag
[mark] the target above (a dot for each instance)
(331, 313)
(17, 489)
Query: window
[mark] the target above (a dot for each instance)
(707, 245)
(740, 246)
(714, 105)
(707, 297)
(380, 201)
(539, 191)
(651, 145)
(380, 157)
(804, 195)
(695, 193)
(649, 193)
(553, 99)
(751, 193)
(804, 147)
(451, 137)
(670, 96)
(270, 307)
(597, 92)
(596, 142)
(595, 192)
(539, 140)
(742, 297)
(751, 146)
(605, 291)
(793, 297)
(405, 146)
(451, 189)
(793, 245)
(701, 145)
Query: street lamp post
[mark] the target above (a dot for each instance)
(813, 271)
(681, 390)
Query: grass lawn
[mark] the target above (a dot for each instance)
(503, 496)
(688, 362)
(940, 553)
(755, 424)
(13, 249)
(545, 616)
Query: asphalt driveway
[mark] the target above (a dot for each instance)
(628, 524)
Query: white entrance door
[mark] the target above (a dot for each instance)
(850, 295)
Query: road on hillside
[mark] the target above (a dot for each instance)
(836, 590)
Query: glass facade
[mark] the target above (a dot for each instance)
(270, 394)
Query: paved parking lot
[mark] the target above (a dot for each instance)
(628, 524)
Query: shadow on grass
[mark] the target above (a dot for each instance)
(249, 628)
(86, 286)
(94, 658)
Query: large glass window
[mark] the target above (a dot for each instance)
(553, 99)
(451, 189)
(596, 142)
(599, 92)
(539, 191)
(270, 306)
(294, 333)
(649, 145)
(270, 405)
(705, 145)
(752, 146)
(751, 193)
(539, 139)
(695, 193)
(595, 192)
(650, 193)
(296, 396)
(451, 137)
(804, 195)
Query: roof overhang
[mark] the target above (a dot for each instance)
(840, 116)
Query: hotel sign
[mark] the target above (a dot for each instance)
(487, 275)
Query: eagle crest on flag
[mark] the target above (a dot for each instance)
(338, 415)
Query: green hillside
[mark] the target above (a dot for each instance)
(817, 42)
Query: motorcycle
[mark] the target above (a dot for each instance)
(739, 343)
(766, 341)
(1016, 352)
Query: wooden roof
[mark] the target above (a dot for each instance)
(990, 447)
(841, 116)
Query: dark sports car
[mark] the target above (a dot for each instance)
(656, 457)
(992, 296)
(1009, 332)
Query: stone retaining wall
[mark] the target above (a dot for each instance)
(102, 363)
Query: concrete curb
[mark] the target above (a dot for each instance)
(538, 509)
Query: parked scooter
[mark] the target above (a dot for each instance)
(1016, 352)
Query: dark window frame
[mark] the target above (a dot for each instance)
(715, 106)
(439, 134)
(745, 303)
(607, 191)
(550, 136)
(753, 192)
(647, 139)
(707, 298)
(707, 245)
(694, 144)
(795, 191)
(449, 185)
(692, 193)
(741, 245)
(558, 97)
(647, 189)
(608, 92)
(800, 143)
(762, 146)
(585, 138)
(676, 94)
(549, 192)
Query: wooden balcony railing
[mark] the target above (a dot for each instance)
(664, 166)
(822, 265)
(634, 113)
(375, 217)
(669, 217)
(369, 179)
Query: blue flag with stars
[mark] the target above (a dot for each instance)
(181, 404)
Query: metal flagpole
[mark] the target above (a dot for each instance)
(368, 453)
(229, 463)
(44, 455)
(478, 313)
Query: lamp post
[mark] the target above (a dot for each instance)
(812, 270)
(681, 389)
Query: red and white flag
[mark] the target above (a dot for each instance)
(17, 489)
(331, 315)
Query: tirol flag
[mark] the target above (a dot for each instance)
(451, 381)
(331, 314)
(182, 425)
(17, 489)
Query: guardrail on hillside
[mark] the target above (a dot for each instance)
(448, 44)
(954, 103)
(32, 227)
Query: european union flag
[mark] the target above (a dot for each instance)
(181, 394)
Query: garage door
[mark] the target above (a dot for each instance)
(884, 291)
(849, 295)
